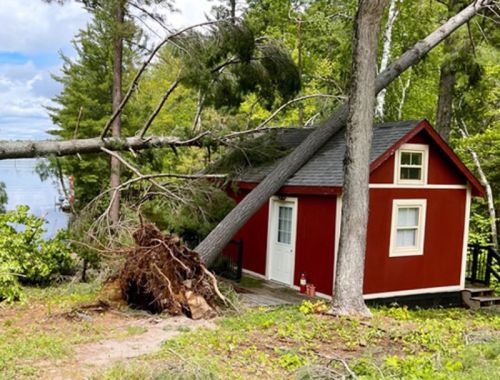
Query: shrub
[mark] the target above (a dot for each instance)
(25, 256)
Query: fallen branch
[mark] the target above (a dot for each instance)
(158, 108)
(40, 148)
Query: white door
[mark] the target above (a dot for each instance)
(281, 252)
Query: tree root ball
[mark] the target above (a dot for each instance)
(163, 275)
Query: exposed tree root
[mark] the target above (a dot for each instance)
(162, 275)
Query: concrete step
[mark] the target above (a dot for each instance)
(486, 301)
(477, 297)
(477, 291)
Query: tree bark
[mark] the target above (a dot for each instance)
(446, 92)
(386, 55)
(299, 66)
(116, 125)
(348, 288)
(41, 148)
(220, 236)
(447, 78)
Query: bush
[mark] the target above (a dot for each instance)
(27, 258)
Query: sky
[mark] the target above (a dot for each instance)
(32, 36)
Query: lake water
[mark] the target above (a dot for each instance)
(24, 187)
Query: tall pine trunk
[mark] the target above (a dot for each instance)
(348, 288)
(116, 100)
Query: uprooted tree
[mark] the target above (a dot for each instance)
(211, 246)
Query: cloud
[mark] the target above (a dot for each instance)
(32, 34)
(33, 26)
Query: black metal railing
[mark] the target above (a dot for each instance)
(230, 263)
(483, 264)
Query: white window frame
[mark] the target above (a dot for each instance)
(412, 148)
(418, 250)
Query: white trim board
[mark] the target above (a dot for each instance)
(422, 187)
(466, 235)
(440, 289)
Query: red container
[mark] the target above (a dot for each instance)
(303, 283)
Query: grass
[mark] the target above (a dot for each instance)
(35, 331)
(27, 335)
(285, 342)
(281, 342)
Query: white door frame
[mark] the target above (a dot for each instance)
(271, 232)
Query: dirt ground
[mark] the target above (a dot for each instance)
(96, 356)
(44, 339)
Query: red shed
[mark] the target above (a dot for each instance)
(420, 195)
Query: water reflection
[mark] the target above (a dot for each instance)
(24, 186)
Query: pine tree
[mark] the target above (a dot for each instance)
(85, 103)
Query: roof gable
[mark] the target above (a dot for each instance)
(325, 168)
(424, 125)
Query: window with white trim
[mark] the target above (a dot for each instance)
(411, 164)
(408, 227)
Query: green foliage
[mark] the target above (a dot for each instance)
(227, 65)
(25, 257)
(250, 152)
(192, 220)
(309, 307)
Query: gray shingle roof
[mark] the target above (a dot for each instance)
(325, 167)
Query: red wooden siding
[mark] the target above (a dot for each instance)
(254, 236)
(440, 265)
(314, 251)
(441, 170)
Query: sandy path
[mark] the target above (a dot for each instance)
(97, 356)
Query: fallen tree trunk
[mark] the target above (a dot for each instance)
(220, 236)
(33, 148)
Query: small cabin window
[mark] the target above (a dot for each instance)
(411, 164)
(408, 227)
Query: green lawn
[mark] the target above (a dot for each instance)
(284, 342)
(265, 343)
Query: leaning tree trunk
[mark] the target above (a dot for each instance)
(221, 235)
(348, 288)
(116, 125)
